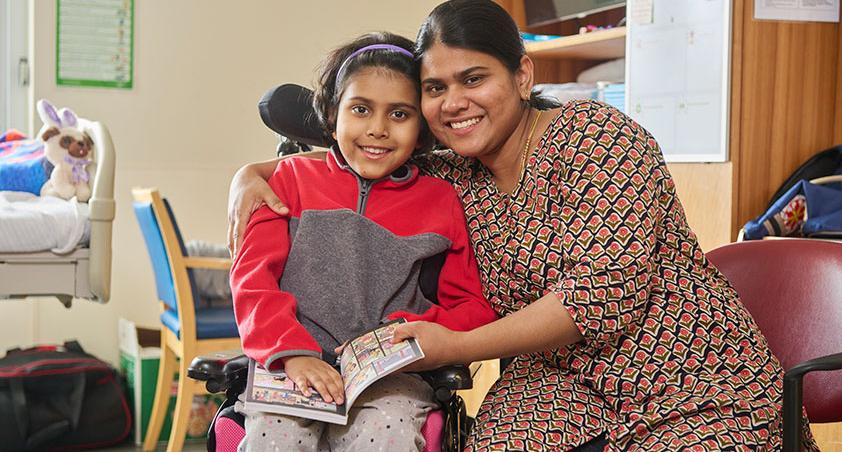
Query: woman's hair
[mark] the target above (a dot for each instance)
(341, 64)
(480, 25)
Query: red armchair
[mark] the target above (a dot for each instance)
(793, 289)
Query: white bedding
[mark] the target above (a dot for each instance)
(30, 223)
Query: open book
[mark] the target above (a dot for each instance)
(367, 358)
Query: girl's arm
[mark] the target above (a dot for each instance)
(249, 191)
(540, 326)
(266, 316)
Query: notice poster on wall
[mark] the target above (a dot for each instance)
(797, 10)
(677, 80)
(94, 43)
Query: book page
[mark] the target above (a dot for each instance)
(275, 389)
(366, 359)
(372, 356)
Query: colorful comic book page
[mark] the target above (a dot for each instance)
(274, 392)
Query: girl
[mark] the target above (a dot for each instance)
(361, 226)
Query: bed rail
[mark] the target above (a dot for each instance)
(102, 208)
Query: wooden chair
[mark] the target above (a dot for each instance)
(186, 331)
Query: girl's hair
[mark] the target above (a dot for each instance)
(480, 25)
(340, 65)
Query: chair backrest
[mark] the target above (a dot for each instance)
(173, 281)
(793, 289)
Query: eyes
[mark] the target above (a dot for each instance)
(473, 80)
(363, 111)
(434, 88)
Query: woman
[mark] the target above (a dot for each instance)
(623, 334)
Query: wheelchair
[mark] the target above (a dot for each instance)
(287, 110)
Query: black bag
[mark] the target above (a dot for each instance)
(825, 163)
(55, 397)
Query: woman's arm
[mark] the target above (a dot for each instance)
(543, 325)
(249, 191)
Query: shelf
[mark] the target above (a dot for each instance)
(597, 45)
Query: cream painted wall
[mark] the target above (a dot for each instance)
(189, 122)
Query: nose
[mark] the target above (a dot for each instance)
(378, 127)
(454, 101)
(78, 149)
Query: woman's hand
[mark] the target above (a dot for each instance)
(307, 372)
(247, 193)
(441, 346)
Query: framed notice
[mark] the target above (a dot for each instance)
(797, 10)
(677, 77)
(94, 43)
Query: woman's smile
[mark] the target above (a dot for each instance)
(465, 126)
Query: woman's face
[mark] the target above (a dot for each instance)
(471, 101)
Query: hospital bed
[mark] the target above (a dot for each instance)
(85, 270)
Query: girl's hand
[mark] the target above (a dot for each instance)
(441, 346)
(308, 371)
(247, 193)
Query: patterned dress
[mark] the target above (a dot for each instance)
(671, 359)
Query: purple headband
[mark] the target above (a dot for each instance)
(391, 47)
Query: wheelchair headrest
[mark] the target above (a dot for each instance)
(288, 110)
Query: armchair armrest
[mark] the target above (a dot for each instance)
(212, 263)
(793, 396)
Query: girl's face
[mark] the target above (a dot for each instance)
(472, 102)
(378, 121)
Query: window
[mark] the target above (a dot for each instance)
(14, 65)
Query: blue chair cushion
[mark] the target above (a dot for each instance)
(211, 323)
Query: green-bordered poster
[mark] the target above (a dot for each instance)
(94, 43)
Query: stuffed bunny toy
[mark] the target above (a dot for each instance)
(69, 149)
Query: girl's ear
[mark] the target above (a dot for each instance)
(525, 77)
(333, 135)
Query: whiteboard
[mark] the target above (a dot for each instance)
(677, 76)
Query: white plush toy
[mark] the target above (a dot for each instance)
(69, 149)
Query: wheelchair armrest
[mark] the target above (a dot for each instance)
(447, 379)
(220, 371)
(793, 395)
(224, 371)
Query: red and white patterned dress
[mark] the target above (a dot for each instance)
(671, 359)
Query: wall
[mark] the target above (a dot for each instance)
(786, 102)
(189, 122)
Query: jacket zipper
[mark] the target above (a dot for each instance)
(365, 190)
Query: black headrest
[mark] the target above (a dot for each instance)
(288, 110)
